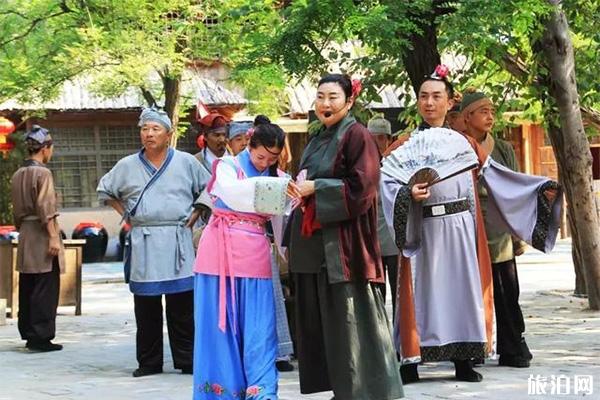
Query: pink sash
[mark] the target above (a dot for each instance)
(233, 244)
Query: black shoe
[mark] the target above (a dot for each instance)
(465, 371)
(514, 361)
(43, 346)
(187, 370)
(478, 361)
(409, 373)
(524, 350)
(144, 371)
(284, 366)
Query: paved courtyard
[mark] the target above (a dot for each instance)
(99, 352)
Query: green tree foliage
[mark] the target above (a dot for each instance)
(140, 43)
(504, 52)
(9, 162)
(117, 44)
(501, 47)
(493, 44)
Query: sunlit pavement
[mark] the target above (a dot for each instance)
(99, 353)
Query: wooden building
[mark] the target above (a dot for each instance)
(91, 133)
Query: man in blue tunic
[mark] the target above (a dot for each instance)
(155, 190)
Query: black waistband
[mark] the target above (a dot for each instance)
(437, 210)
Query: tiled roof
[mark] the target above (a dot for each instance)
(75, 96)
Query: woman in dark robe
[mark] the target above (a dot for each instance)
(344, 339)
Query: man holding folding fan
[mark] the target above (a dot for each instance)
(479, 115)
(445, 311)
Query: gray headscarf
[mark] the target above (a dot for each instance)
(155, 115)
(238, 128)
(379, 126)
(38, 134)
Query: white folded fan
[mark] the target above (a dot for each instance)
(430, 156)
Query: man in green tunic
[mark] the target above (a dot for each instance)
(381, 129)
(478, 112)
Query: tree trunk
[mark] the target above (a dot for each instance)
(571, 147)
(172, 102)
(580, 288)
(424, 56)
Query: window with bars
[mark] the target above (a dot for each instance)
(82, 155)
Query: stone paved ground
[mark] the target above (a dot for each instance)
(99, 352)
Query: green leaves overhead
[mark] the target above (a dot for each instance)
(122, 43)
(119, 43)
(491, 44)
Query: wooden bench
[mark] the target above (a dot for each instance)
(70, 281)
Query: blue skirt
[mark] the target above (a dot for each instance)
(238, 363)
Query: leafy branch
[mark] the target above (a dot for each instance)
(35, 22)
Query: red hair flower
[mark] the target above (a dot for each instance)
(250, 132)
(441, 71)
(356, 87)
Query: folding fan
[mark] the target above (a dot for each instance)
(430, 156)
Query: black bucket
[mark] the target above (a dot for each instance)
(96, 238)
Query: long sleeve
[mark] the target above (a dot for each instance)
(341, 199)
(511, 161)
(517, 203)
(265, 195)
(402, 214)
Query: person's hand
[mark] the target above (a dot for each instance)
(203, 212)
(550, 195)
(53, 246)
(193, 218)
(519, 251)
(293, 191)
(420, 192)
(519, 246)
(306, 188)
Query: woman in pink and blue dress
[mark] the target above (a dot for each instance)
(235, 329)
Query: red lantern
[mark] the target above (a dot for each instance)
(6, 128)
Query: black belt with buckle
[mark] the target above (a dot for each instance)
(438, 210)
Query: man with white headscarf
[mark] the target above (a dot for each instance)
(155, 191)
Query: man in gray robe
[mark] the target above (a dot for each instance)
(445, 302)
(155, 190)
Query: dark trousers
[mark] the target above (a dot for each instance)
(509, 318)
(38, 300)
(391, 264)
(180, 325)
